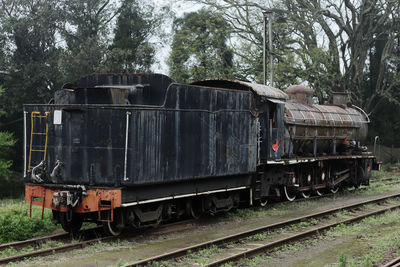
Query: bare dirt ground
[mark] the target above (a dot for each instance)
(332, 250)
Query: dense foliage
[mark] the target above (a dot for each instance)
(16, 225)
(131, 50)
(199, 47)
(6, 142)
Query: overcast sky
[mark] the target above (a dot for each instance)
(179, 8)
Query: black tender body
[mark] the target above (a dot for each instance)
(172, 132)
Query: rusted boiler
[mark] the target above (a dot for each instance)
(312, 130)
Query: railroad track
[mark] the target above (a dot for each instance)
(37, 242)
(393, 263)
(382, 179)
(386, 181)
(262, 248)
(90, 236)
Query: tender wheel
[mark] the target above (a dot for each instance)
(289, 193)
(194, 208)
(357, 186)
(361, 177)
(115, 227)
(72, 222)
(306, 194)
(319, 192)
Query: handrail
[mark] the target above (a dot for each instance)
(362, 111)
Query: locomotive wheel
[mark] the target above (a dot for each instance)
(360, 178)
(115, 227)
(289, 193)
(319, 192)
(306, 194)
(72, 226)
(335, 189)
(263, 201)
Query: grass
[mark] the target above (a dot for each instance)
(380, 233)
(119, 263)
(376, 252)
(15, 224)
(257, 237)
(380, 241)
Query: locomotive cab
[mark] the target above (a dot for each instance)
(271, 130)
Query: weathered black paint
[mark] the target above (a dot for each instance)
(136, 89)
(145, 192)
(197, 132)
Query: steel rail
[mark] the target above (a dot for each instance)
(241, 235)
(395, 262)
(50, 251)
(300, 236)
(40, 240)
(25, 243)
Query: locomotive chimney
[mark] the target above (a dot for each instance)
(340, 98)
(300, 94)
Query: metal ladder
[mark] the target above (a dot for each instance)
(37, 198)
(35, 115)
(38, 201)
(106, 205)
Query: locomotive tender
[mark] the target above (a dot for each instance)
(138, 149)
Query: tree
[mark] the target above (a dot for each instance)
(85, 28)
(329, 40)
(199, 47)
(6, 142)
(131, 50)
(30, 52)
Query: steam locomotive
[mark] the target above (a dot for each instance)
(138, 149)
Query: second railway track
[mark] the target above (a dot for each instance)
(219, 242)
